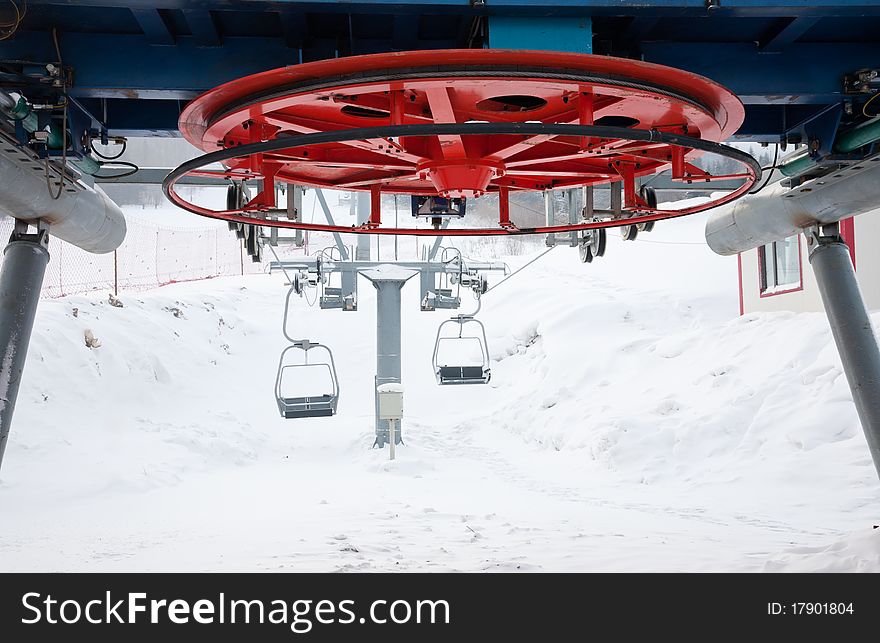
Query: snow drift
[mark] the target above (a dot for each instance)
(633, 422)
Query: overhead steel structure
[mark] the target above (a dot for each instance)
(460, 124)
(508, 98)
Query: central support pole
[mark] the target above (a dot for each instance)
(21, 279)
(388, 281)
(362, 252)
(851, 328)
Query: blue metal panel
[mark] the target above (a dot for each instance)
(137, 117)
(794, 29)
(153, 26)
(202, 26)
(785, 58)
(802, 73)
(548, 34)
(129, 67)
(779, 8)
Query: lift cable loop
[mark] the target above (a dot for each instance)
(520, 269)
(254, 216)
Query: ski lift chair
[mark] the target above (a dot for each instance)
(462, 374)
(333, 297)
(306, 406)
(440, 298)
(446, 293)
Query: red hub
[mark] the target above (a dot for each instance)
(445, 123)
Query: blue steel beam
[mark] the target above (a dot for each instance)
(795, 28)
(406, 31)
(620, 5)
(153, 26)
(202, 26)
(294, 28)
(771, 8)
(639, 27)
(127, 66)
(809, 73)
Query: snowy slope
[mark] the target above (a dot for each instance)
(633, 422)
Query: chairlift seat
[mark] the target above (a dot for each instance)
(305, 407)
(330, 302)
(299, 406)
(467, 374)
(463, 375)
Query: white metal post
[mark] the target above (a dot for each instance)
(391, 439)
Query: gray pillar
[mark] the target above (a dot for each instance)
(427, 281)
(438, 240)
(294, 212)
(388, 281)
(550, 239)
(852, 331)
(575, 204)
(349, 286)
(21, 278)
(362, 253)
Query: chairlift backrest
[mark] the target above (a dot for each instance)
(464, 371)
(306, 405)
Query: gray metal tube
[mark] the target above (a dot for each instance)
(343, 251)
(362, 252)
(21, 278)
(388, 280)
(294, 212)
(7, 102)
(83, 216)
(387, 347)
(436, 245)
(852, 331)
(778, 212)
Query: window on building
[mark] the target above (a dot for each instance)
(780, 265)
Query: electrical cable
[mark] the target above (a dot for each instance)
(134, 169)
(281, 264)
(57, 195)
(525, 128)
(109, 158)
(772, 167)
(20, 13)
(520, 269)
(868, 102)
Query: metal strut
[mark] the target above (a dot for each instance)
(21, 279)
(850, 326)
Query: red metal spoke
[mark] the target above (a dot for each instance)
(311, 126)
(336, 159)
(561, 174)
(367, 180)
(440, 101)
(559, 149)
(568, 116)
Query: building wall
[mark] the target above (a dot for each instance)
(867, 249)
(865, 241)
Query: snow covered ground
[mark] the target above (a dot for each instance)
(633, 422)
